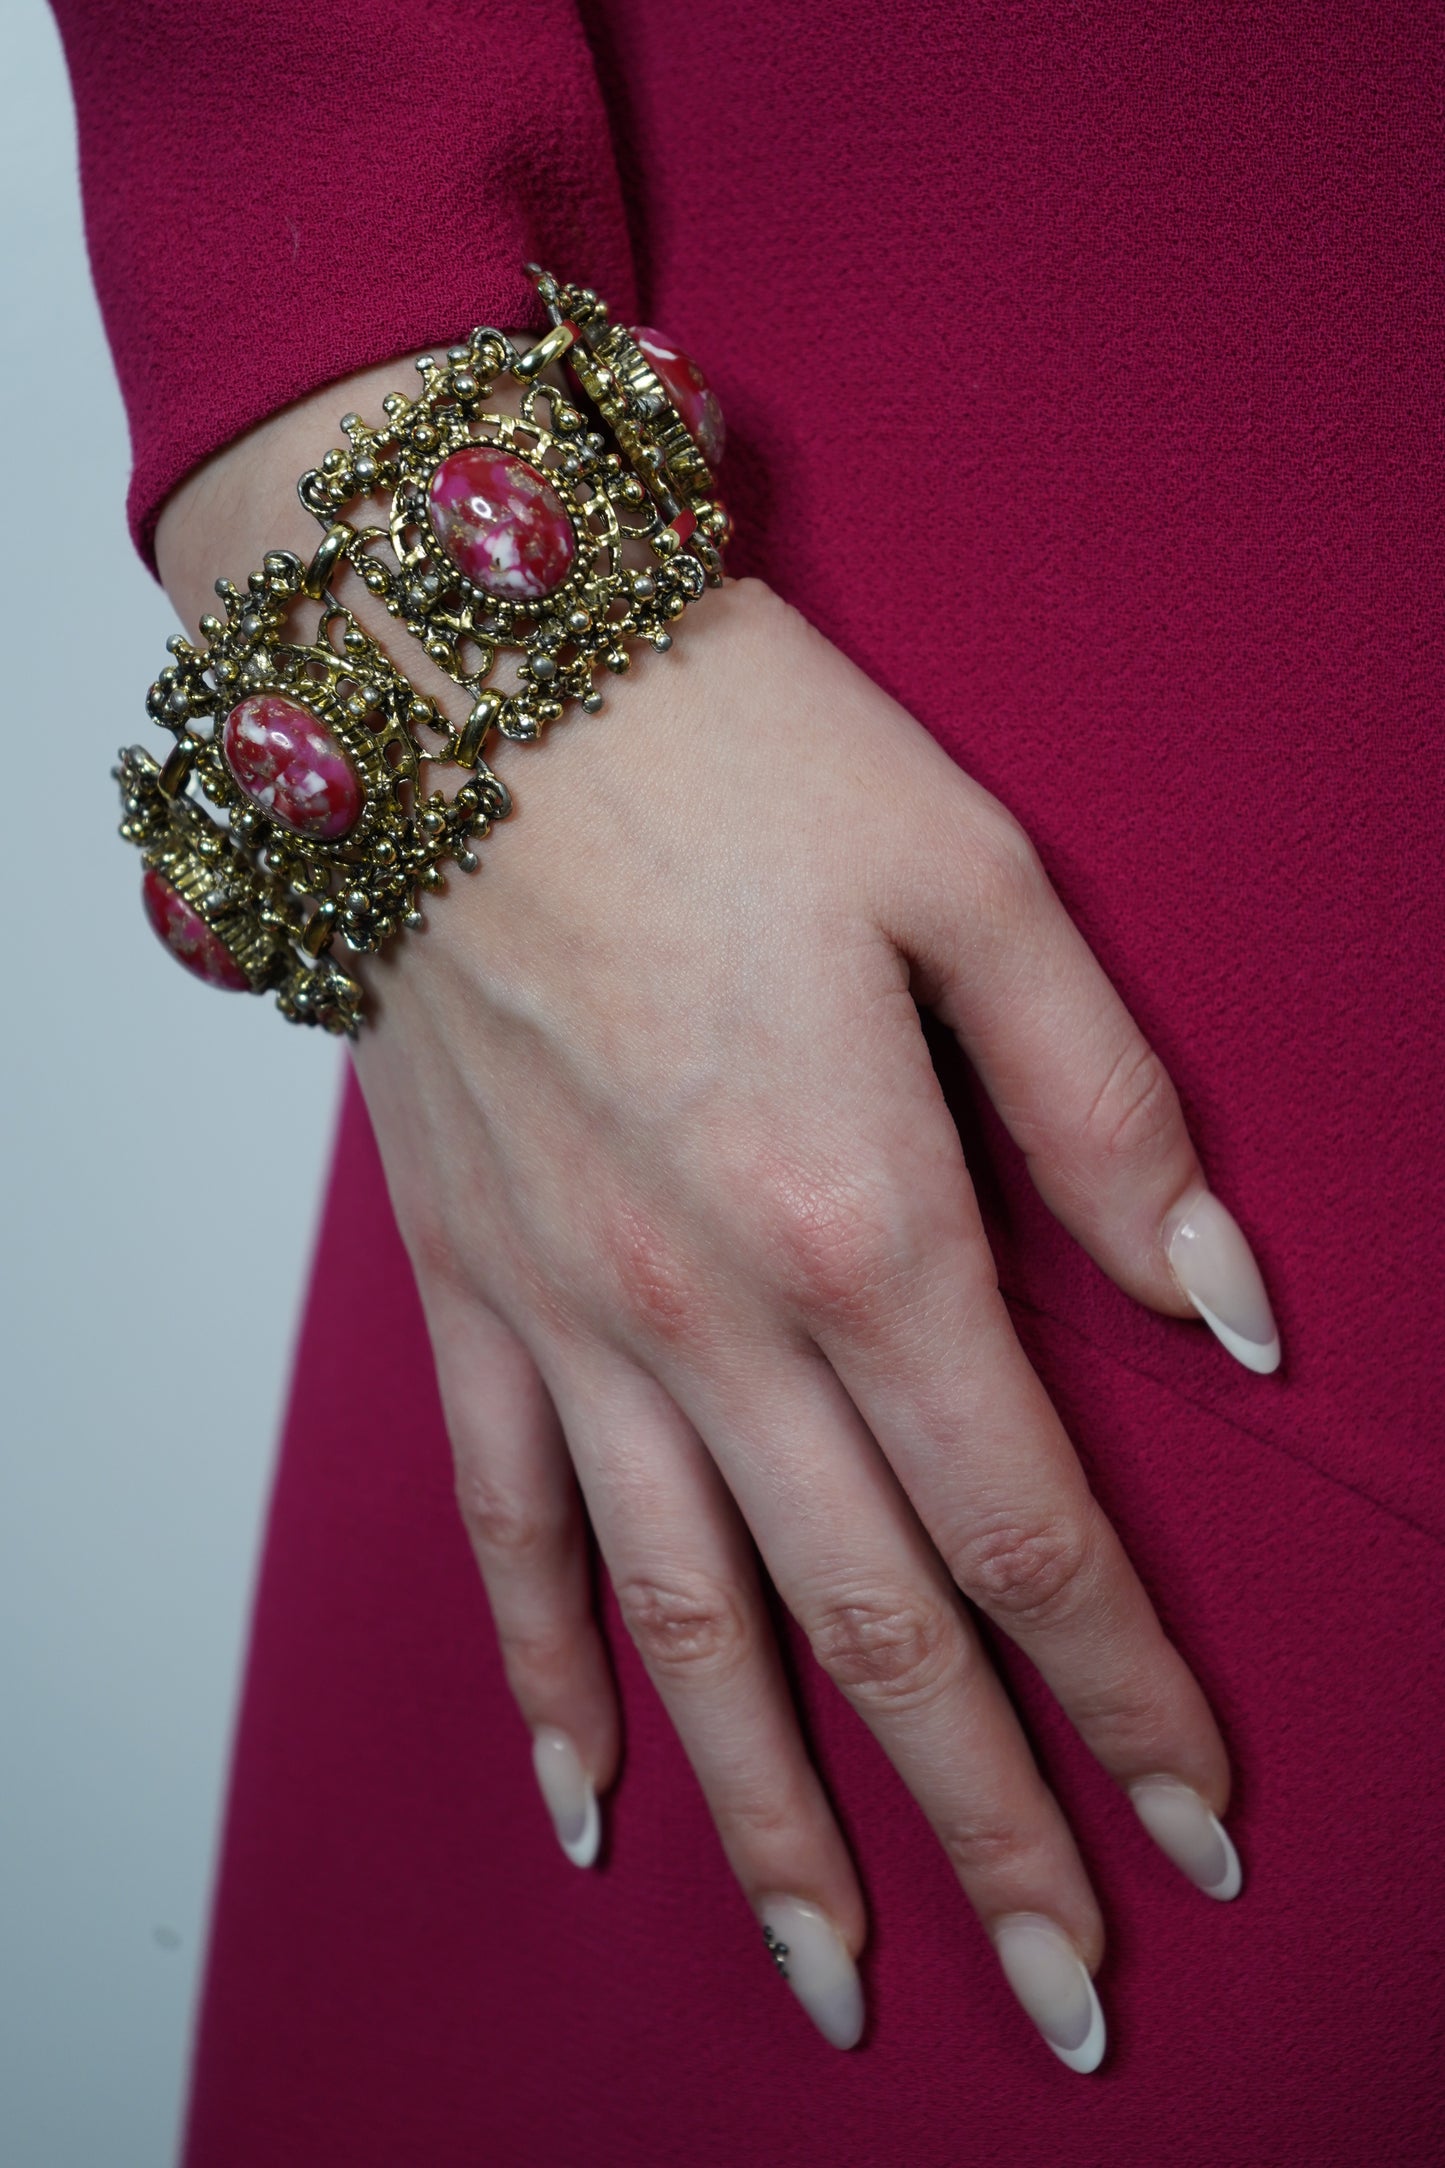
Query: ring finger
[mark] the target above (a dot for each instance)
(885, 1622)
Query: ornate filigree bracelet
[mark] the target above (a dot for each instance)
(291, 815)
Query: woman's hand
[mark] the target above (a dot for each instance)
(698, 1249)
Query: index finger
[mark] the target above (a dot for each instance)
(1073, 1078)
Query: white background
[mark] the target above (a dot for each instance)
(162, 1151)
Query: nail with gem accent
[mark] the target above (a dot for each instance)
(810, 1955)
(567, 1789)
(1216, 1269)
(1046, 1973)
(1186, 1832)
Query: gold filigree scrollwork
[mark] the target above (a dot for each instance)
(267, 890)
(656, 492)
(371, 874)
(258, 924)
(364, 884)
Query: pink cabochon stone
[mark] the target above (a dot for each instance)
(688, 389)
(288, 762)
(187, 935)
(501, 523)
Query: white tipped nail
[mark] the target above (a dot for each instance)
(809, 1953)
(1216, 1269)
(1185, 1830)
(567, 1789)
(1045, 1971)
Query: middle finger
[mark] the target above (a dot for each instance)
(927, 1353)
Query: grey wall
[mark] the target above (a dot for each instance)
(162, 1146)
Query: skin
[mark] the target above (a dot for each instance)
(698, 1250)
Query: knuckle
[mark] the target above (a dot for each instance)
(1130, 1723)
(664, 1296)
(893, 1650)
(1006, 868)
(1137, 1109)
(436, 1258)
(984, 1847)
(505, 1529)
(1030, 1573)
(760, 1819)
(688, 1628)
(832, 1245)
(540, 1661)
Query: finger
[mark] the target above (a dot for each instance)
(866, 1585)
(903, 1302)
(1072, 1076)
(521, 1508)
(687, 1586)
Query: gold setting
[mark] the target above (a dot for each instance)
(278, 900)
(261, 927)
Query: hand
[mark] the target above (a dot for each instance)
(698, 1250)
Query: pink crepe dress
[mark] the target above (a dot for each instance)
(1082, 366)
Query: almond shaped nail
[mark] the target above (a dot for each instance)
(1215, 1266)
(811, 1956)
(1188, 1833)
(567, 1789)
(1047, 1974)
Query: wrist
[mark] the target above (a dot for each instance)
(242, 501)
(518, 540)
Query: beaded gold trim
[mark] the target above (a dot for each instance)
(259, 924)
(642, 478)
(630, 479)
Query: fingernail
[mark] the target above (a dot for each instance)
(1216, 1269)
(567, 1789)
(809, 1953)
(1183, 1828)
(1045, 1971)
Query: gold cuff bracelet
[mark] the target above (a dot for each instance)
(291, 814)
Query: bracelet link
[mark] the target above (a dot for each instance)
(550, 348)
(291, 812)
(334, 545)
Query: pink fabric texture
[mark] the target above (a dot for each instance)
(1082, 375)
(276, 196)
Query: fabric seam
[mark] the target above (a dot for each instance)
(1202, 1407)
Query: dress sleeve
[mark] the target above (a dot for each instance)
(279, 194)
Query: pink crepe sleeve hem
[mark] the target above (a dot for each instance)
(276, 197)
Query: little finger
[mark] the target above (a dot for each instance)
(522, 1511)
